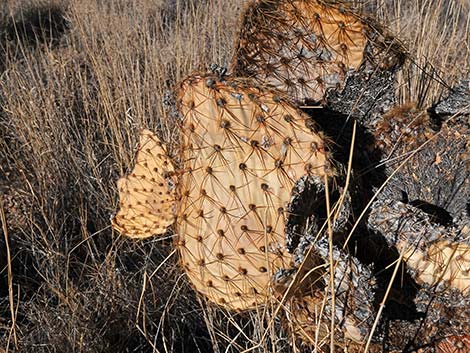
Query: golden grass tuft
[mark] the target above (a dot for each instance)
(437, 35)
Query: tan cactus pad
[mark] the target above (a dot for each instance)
(302, 47)
(147, 195)
(244, 148)
(435, 255)
(442, 261)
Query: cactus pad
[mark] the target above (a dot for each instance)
(243, 148)
(434, 254)
(147, 195)
(442, 261)
(305, 47)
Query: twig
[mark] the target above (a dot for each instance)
(332, 267)
(382, 304)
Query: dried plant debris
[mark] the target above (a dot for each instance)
(16, 205)
(450, 344)
(436, 255)
(365, 97)
(457, 102)
(303, 229)
(243, 149)
(307, 47)
(436, 172)
(309, 310)
(447, 314)
(444, 323)
(438, 259)
(31, 25)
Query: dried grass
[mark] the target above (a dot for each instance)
(73, 95)
(437, 35)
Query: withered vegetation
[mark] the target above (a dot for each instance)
(78, 80)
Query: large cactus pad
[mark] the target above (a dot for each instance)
(243, 148)
(305, 47)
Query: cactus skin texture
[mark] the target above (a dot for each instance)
(148, 193)
(305, 47)
(243, 148)
(309, 313)
(434, 254)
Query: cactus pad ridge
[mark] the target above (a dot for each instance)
(147, 195)
(305, 47)
(244, 148)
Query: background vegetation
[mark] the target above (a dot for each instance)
(77, 82)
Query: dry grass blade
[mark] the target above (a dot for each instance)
(382, 304)
(437, 34)
(79, 79)
(332, 269)
(13, 312)
(69, 117)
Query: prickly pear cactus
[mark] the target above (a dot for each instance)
(306, 47)
(436, 255)
(148, 194)
(242, 148)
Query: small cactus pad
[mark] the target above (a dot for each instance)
(243, 148)
(305, 47)
(442, 261)
(434, 254)
(147, 195)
